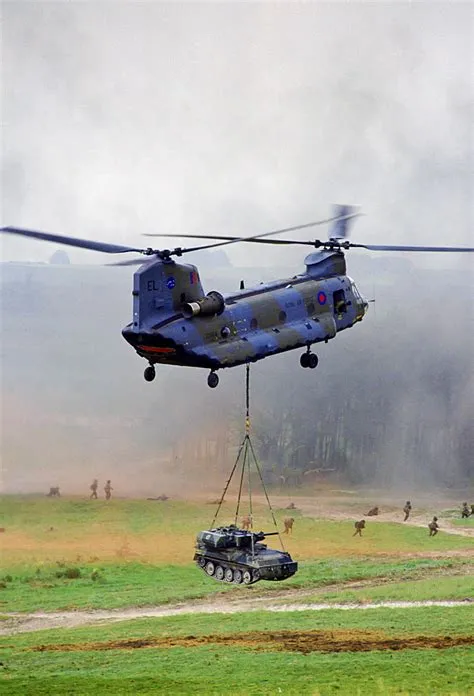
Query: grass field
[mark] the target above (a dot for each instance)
(72, 554)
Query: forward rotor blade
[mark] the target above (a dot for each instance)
(131, 262)
(396, 247)
(70, 241)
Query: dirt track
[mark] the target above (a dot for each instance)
(37, 621)
(294, 641)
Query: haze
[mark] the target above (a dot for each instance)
(124, 118)
(236, 118)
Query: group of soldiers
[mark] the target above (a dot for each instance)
(54, 491)
(433, 526)
(288, 522)
(107, 489)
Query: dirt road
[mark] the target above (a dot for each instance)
(37, 621)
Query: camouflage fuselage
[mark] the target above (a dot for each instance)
(255, 323)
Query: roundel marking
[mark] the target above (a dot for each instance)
(322, 297)
(170, 283)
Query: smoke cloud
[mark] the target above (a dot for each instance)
(124, 118)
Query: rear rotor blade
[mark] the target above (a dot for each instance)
(71, 241)
(396, 247)
(256, 237)
(223, 237)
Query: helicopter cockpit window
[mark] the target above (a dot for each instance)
(340, 304)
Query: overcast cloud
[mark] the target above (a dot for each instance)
(122, 118)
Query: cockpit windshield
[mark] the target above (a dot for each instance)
(355, 290)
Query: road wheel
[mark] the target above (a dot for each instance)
(247, 577)
(201, 561)
(229, 575)
(210, 568)
(237, 576)
(219, 573)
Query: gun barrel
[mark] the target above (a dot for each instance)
(271, 533)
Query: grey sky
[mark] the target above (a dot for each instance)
(236, 118)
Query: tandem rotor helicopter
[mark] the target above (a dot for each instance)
(175, 323)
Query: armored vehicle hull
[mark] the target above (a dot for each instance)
(237, 556)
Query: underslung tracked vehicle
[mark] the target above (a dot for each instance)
(236, 555)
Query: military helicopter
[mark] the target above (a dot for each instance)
(175, 323)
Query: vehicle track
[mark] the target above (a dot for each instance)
(37, 621)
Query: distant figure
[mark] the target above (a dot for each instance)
(288, 522)
(53, 492)
(373, 511)
(359, 526)
(472, 509)
(433, 526)
(407, 510)
(160, 497)
(108, 490)
(291, 506)
(246, 522)
(93, 488)
(465, 512)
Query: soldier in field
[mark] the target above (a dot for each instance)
(246, 522)
(53, 492)
(108, 490)
(407, 510)
(288, 522)
(373, 511)
(433, 527)
(359, 526)
(93, 488)
(465, 512)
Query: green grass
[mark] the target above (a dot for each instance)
(138, 584)
(213, 669)
(467, 522)
(240, 672)
(91, 536)
(433, 588)
(417, 620)
(33, 514)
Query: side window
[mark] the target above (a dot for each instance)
(339, 299)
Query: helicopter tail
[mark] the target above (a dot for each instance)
(344, 215)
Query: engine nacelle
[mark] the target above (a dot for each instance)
(211, 305)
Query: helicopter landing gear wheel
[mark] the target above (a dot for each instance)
(229, 575)
(210, 568)
(149, 373)
(213, 380)
(304, 360)
(237, 576)
(312, 361)
(247, 577)
(219, 573)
